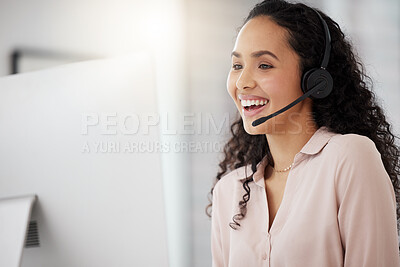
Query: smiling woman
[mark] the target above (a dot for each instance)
(265, 66)
(316, 185)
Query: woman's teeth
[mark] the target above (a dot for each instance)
(248, 103)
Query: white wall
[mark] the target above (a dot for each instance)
(85, 27)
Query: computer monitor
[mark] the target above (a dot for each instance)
(82, 137)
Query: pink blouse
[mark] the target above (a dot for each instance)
(338, 209)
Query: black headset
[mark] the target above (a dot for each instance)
(316, 75)
(315, 83)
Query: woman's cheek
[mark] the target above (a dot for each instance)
(231, 87)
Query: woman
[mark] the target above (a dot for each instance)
(316, 185)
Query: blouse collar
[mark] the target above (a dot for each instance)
(314, 145)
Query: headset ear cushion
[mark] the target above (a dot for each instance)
(304, 87)
(315, 76)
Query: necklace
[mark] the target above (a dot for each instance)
(285, 169)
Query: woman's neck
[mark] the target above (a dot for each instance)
(285, 144)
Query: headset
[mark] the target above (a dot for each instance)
(315, 83)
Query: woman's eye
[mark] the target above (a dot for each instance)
(265, 66)
(236, 66)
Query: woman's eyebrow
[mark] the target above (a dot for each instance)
(257, 54)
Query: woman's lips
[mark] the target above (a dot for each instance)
(252, 104)
(254, 110)
(251, 97)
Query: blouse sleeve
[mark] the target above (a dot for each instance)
(366, 206)
(216, 241)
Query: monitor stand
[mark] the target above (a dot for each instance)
(15, 213)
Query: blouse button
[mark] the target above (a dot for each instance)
(266, 255)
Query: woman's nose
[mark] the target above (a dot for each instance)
(245, 80)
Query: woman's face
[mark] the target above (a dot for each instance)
(265, 68)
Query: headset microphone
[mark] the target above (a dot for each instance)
(317, 82)
(317, 87)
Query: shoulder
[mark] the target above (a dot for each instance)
(353, 156)
(351, 139)
(359, 170)
(356, 159)
(352, 147)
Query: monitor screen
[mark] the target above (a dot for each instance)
(83, 138)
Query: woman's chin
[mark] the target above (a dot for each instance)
(250, 129)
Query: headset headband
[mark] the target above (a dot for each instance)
(327, 52)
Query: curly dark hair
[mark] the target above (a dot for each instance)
(350, 108)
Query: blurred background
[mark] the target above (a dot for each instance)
(191, 41)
